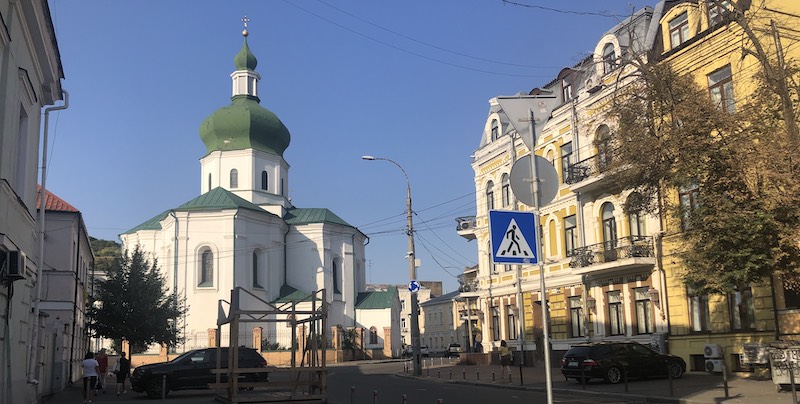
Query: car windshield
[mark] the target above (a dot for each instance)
(579, 351)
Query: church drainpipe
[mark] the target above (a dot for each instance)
(33, 345)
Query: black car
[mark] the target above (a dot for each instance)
(612, 360)
(193, 370)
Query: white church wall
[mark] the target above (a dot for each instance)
(378, 318)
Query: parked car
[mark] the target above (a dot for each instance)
(611, 360)
(454, 350)
(193, 370)
(409, 351)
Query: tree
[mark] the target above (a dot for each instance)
(743, 164)
(133, 304)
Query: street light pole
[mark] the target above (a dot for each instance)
(412, 269)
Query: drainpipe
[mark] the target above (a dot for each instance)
(175, 268)
(74, 301)
(33, 344)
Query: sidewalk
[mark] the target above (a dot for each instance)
(691, 388)
(73, 395)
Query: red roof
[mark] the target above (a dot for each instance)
(53, 202)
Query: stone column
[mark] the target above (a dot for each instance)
(387, 342)
(257, 331)
(212, 337)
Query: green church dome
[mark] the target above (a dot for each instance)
(245, 124)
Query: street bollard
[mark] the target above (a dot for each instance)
(583, 377)
(438, 374)
(509, 377)
(625, 376)
(164, 387)
(429, 372)
(493, 376)
(374, 396)
(441, 361)
(352, 394)
(464, 374)
(451, 374)
(405, 399)
(669, 378)
(478, 374)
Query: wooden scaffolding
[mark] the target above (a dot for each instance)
(303, 382)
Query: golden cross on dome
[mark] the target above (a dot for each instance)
(245, 20)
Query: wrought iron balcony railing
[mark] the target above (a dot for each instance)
(588, 167)
(609, 251)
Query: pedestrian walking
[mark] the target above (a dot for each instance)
(122, 369)
(90, 367)
(505, 360)
(102, 369)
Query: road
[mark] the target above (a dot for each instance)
(366, 379)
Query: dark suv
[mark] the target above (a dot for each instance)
(193, 370)
(611, 360)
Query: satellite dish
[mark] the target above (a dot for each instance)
(522, 186)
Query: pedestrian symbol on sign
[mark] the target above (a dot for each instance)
(514, 243)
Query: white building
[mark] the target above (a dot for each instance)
(244, 231)
(378, 313)
(66, 287)
(30, 78)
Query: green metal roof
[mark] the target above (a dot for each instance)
(216, 199)
(153, 223)
(297, 216)
(377, 299)
(219, 198)
(245, 59)
(290, 294)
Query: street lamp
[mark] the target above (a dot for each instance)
(412, 269)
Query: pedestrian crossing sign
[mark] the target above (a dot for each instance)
(513, 237)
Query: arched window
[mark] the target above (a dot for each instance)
(256, 284)
(495, 129)
(603, 142)
(373, 335)
(506, 190)
(609, 58)
(264, 180)
(490, 195)
(635, 219)
(337, 277)
(609, 232)
(206, 268)
(234, 178)
(209, 181)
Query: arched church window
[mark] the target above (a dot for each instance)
(234, 178)
(373, 335)
(264, 181)
(337, 277)
(206, 268)
(256, 284)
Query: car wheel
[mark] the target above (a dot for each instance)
(613, 375)
(153, 388)
(675, 370)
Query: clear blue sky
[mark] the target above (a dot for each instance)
(406, 80)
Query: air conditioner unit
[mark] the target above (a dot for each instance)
(464, 226)
(15, 264)
(712, 351)
(714, 365)
(593, 84)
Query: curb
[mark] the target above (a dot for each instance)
(581, 392)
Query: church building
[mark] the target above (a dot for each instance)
(243, 230)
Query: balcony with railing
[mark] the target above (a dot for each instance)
(622, 253)
(587, 174)
(465, 226)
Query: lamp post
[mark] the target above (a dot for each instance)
(412, 269)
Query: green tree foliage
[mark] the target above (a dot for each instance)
(671, 137)
(133, 304)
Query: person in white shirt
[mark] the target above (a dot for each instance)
(89, 366)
